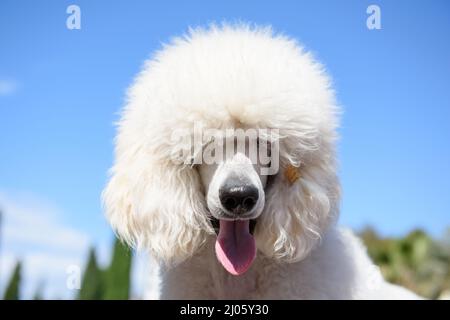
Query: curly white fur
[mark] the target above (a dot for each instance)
(228, 77)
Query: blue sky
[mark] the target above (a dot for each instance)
(60, 91)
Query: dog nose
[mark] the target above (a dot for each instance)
(237, 197)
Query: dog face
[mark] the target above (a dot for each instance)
(162, 199)
(235, 193)
(234, 186)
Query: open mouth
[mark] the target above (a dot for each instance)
(235, 245)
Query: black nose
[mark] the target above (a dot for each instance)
(237, 197)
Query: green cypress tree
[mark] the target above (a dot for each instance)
(92, 282)
(13, 289)
(117, 276)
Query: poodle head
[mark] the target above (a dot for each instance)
(228, 132)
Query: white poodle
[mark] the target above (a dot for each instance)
(238, 227)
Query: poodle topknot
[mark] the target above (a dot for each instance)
(227, 229)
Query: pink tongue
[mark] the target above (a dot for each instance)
(235, 246)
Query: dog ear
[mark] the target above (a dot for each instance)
(155, 204)
(300, 204)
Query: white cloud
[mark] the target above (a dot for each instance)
(33, 231)
(32, 220)
(7, 87)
